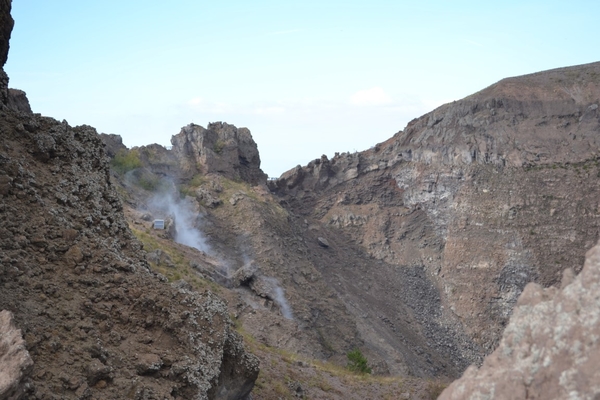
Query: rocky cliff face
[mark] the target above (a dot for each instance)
(96, 322)
(474, 199)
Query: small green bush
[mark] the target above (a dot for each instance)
(126, 160)
(219, 146)
(357, 362)
(150, 183)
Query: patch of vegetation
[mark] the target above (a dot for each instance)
(197, 180)
(126, 160)
(149, 183)
(357, 362)
(435, 389)
(577, 166)
(219, 146)
(181, 268)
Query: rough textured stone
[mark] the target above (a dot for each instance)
(113, 143)
(6, 25)
(15, 362)
(549, 350)
(17, 101)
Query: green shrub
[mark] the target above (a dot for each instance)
(126, 160)
(219, 146)
(357, 362)
(149, 183)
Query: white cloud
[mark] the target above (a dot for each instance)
(195, 101)
(268, 110)
(199, 104)
(374, 96)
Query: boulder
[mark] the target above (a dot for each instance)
(323, 242)
(15, 361)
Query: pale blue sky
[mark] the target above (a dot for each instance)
(307, 78)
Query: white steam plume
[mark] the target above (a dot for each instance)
(279, 298)
(186, 220)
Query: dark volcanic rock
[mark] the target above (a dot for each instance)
(92, 313)
(17, 101)
(6, 25)
(113, 143)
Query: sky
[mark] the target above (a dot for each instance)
(306, 77)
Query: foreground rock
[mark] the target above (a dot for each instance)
(97, 322)
(15, 361)
(549, 350)
(76, 279)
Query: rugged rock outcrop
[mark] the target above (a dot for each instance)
(221, 148)
(113, 144)
(550, 348)
(17, 101)
(14, 359)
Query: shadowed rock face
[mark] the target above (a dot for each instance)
(6, 25)
(17, 101)
(549, 350)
